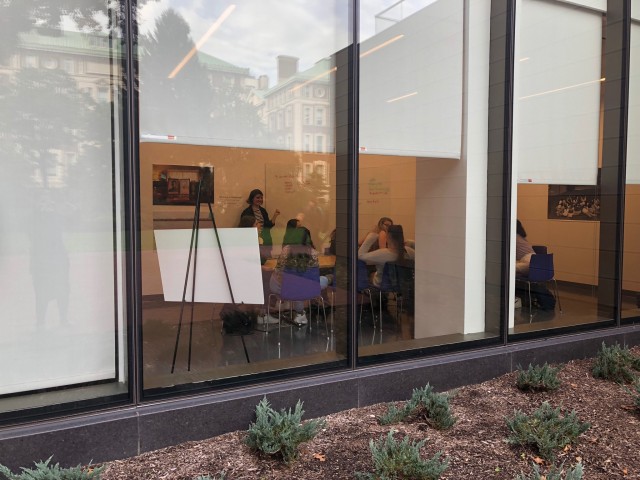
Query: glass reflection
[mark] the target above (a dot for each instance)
(61, 276)
(248, 91)
(631, 256)
(421, 255)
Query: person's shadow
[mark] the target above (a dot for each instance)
(49, 264)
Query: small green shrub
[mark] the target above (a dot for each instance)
(397, 460)
(538, 378)
(209, 477)
(426, 404)
(46, 471)
(280, 433)
(545, 430)
(222, 476)
(574, 473)
(615, 363)
(635, 395)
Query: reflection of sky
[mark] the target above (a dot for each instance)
(258, 31)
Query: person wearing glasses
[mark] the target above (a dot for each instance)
(395, 251)
(380, 231)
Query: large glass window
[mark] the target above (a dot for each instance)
(423, 133)
(62, 276)
(226, 139)
(631, 266)
(557, 155)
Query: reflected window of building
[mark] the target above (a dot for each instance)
(63, 276)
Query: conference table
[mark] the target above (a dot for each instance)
(327, 262)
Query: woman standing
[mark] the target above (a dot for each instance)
(256, 210)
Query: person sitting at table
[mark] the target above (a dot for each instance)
(396, 251)
(297, 252)
(524, 250)
(256, 210)
(380, 229)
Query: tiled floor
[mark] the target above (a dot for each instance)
(217, 356)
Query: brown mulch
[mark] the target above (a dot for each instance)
(475, 447)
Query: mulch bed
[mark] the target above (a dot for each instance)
(475, 447)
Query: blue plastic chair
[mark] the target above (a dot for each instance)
(541, 270)
(365, 288)
(299, 286)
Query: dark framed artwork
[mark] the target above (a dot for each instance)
(574, 202)
(178, 184)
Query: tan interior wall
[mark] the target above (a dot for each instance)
(575, 243)
(631, 262)
(387, 188)
(236, 172)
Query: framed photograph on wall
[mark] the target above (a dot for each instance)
(178, 184)
(574, 202)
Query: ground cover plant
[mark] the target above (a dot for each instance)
(616, 363)
(393, 459)
(281, 433)
(555, 473)
(538, 378)
(44, 470)
(426, 405)
(475, 447)
(546, 429)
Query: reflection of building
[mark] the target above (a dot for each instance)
(86, 57)
(298, 110)
(438, 128)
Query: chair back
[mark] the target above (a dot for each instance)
(300, 285)
(363, 276)
(540, 248)
(396, 276)
(541, 267)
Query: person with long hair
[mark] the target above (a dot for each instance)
(256, 210)
(380, 229)
(395, 251)
(297, 252)
(524, 250)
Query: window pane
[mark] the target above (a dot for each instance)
(248, 92)
(558, 120)
(62, 276)
(423, 174)
(631, 266)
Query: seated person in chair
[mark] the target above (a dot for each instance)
(396, 251)
(297, 252)
(524, 250)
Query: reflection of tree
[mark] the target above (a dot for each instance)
(42, 115)
(23, 15)
(184, 96)
(52, 130)
(234, 116)
(195, 100)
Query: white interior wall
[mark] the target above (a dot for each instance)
(556, 93)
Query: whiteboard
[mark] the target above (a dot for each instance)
(241, 254)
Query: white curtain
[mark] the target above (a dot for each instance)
(557, 93)
(633, 129)
(411, 85)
